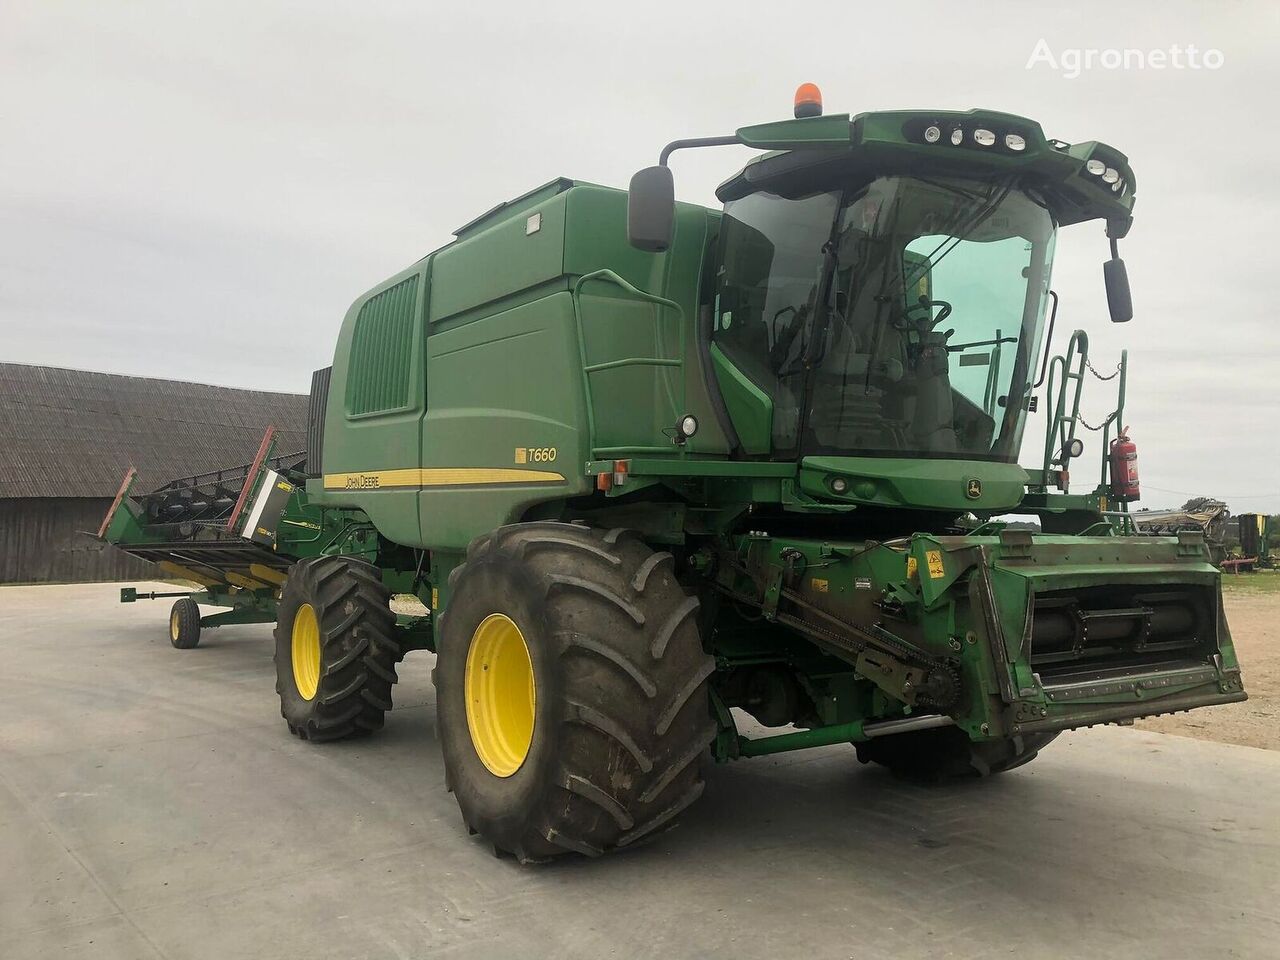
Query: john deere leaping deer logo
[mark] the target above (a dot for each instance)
(973, 488)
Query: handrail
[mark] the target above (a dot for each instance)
(1060, 427)
(1048, 340)
(608, 276)
(1057, 419)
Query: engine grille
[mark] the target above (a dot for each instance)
(315, 420)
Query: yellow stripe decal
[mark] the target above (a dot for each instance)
(436, 477)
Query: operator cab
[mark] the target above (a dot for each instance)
(894, 315)
(881, 284)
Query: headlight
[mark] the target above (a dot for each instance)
(1110, 175)
(932, 134)
(1015, 142)
(957, 136)
(1096, 167)
(984, 138)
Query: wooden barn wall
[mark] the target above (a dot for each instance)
(41, 542)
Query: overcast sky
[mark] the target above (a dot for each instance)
(199, 190)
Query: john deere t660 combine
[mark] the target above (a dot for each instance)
(648, 463)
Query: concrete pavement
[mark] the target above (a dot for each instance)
(152, 804)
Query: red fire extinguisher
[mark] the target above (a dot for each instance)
(1124, 467)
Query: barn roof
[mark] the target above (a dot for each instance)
(72, 433)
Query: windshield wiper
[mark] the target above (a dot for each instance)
(958, 347)
(976, 219)
(826, 285)
(782, 340)
(821, 313)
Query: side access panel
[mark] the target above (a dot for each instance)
(503, 424)
(502, 429)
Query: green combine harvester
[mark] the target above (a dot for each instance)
(653, 467)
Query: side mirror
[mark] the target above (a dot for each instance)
(651, 209)
(1119, 300)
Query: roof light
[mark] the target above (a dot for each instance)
(932, 134)
(808, 101)
(984, 138)
(1015, 142)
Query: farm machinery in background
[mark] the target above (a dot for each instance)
(1203, 514)
(1259, 541)
(202, 529)
(652, 468)
(1240, 544)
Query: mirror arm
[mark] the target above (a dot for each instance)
(651, 198)
(675, 145)
(1118, 229)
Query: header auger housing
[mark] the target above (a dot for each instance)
(649, 465)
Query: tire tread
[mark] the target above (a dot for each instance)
(359, 652)
(634, 717)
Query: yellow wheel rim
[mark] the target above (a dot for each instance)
(306, 651)
(500, 695)
(173, 624)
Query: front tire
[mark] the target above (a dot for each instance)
(571, 691)
(947, 753)
(336, 649)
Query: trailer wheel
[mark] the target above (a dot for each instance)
(947, 753)
(571, 691)
(336, 649)
(184, 624)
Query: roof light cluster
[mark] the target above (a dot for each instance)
(1107, 176)
(983, 137)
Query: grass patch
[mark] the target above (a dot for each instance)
(1259, 582)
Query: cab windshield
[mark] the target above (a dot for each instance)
(897, 318)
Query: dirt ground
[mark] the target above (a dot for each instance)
(153, 805)
(1253, 611)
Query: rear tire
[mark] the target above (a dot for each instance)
(184, 624)
(617, 702)
(947, 753)
(336, 649)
